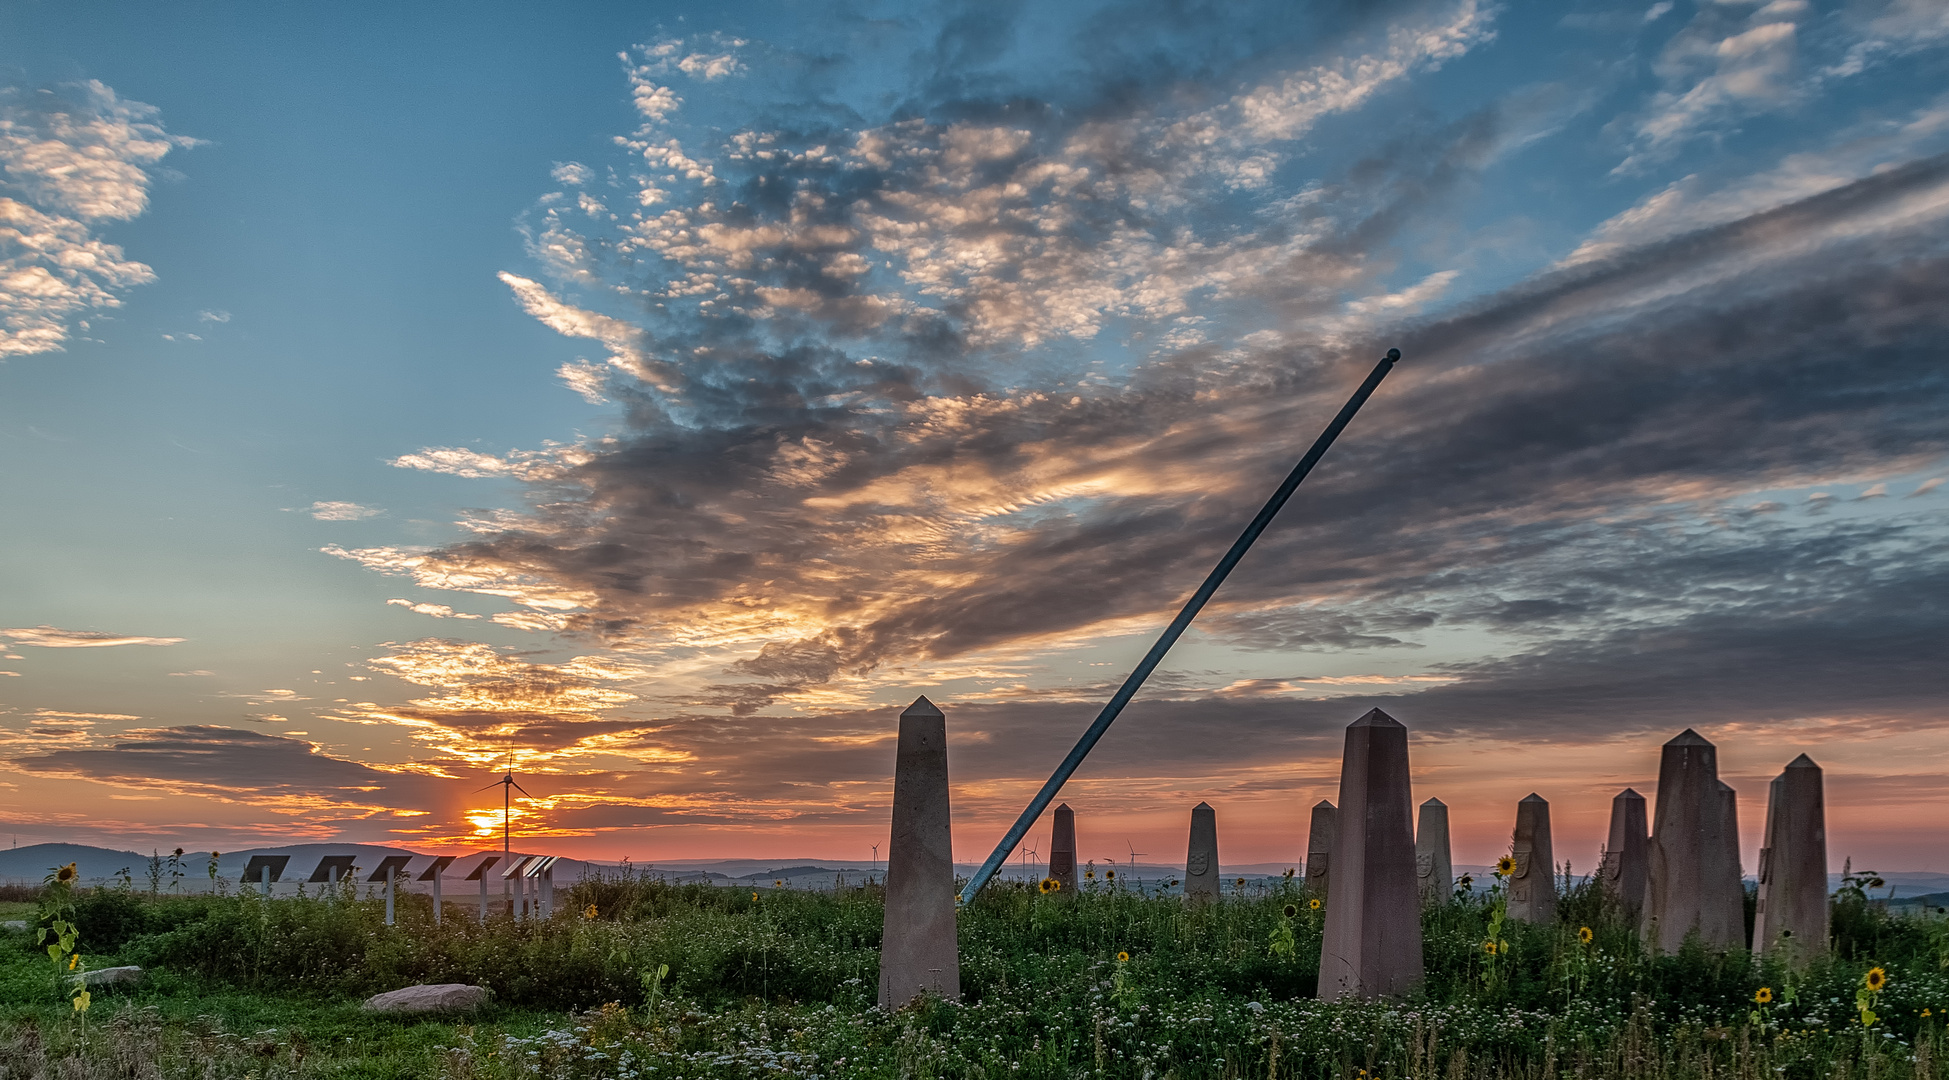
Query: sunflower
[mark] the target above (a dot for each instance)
(754, 895)
(1047, 886)
(589, 912)
(1290, 910)
(1109, 875)
(1505, 866)
(1123, 957)
(1874, 980)
(1764, 995)
(1089, 875)
(74, 961)
(1489, 947)
(65, 874)
(1584, 935)
(1313, 904)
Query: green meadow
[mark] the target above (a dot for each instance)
(639, 978)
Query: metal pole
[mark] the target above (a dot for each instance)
(1176, 629)
(390, 875)
(436, 895)
(483, 896)
(266, 870)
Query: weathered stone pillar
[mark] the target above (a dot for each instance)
(1201, 856)
(1532, 887)
(1792, 918)
(1062, 851)
(1372, 943)
(1624, 864)
(1729, 893)
(1319, 847)
(1434, 870)
(1693, 882)
(918, 950)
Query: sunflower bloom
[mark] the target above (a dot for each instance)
(1313, 904)
(1874, 980)
(1123, 957)
(65, 874)
(589, 912)
(1764, 995)
(1584, 935)
(1048, 886)
(1489, 947)
(1505, 866)
(1289, 910)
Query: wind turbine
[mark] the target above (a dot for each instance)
(1133, 855)
(507, 785)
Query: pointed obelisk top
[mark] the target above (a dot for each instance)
(922, 707)
(1377, 718)
(1326, 803)
(1202, 806)
(1802, 762)
(1630, 793)
(1434, 802)
(1688, 737)
(1534, 797)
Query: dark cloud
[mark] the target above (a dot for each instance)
(888, 435)
(226, 763)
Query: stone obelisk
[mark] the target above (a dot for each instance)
(1201, 856)
(1623, 868)
(1319, 848)
(1693, 881)
(1062, 851)
(1532, 887)
(1792, 918)
(918, 950)
(1434, 870)
(1372, 943)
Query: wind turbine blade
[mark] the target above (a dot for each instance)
(520, 789)
(496, 783)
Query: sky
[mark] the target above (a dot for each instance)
(658, 398)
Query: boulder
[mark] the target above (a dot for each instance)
(441, 997)
(112, 976)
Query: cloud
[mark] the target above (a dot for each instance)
(343, 511)
(968, 399)
(213, 316)
(283, 774)
(572, 173)
(438, 611)
(49, 637)
(71, 159)
(486, 704)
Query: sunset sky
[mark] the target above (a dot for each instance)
(665, 395)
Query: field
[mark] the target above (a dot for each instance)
(674, 981)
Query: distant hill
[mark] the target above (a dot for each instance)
(31, 863)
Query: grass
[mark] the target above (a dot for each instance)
(781, 983)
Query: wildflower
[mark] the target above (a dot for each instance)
(1764, 995)
(1874, 980)
(1123, 957)
(1584, 935)
(589, 912)
(73, 961)
(1313, 904)
(754, 894)
(65, 874)
(1926, 1012)
(1489, 947)
(1290, 910)
(1505, 866)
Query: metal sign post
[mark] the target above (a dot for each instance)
(432, 873)
(1178, 625)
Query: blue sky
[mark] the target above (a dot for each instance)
(665, 395)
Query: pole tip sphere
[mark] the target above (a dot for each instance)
(1393, 354)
